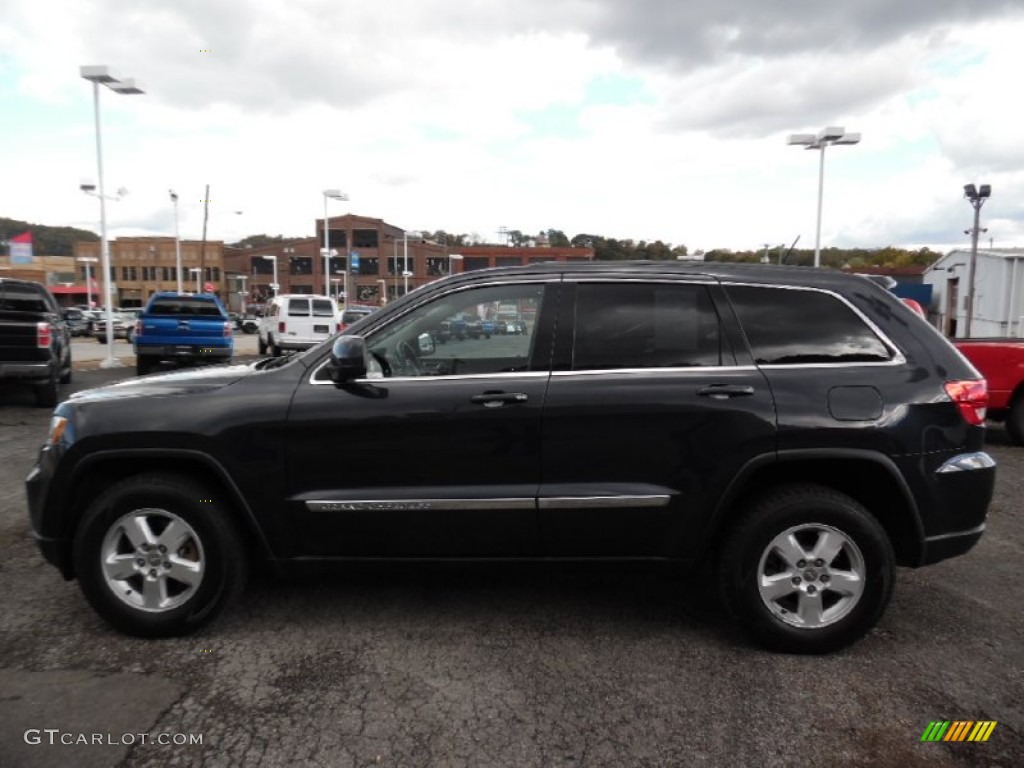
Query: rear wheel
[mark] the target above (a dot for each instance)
(157, 555)
(143, 365)
(807, 570)
(1015, 420)
(275, 351)
(262, 345)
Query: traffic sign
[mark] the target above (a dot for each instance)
(353, 260)
(208, 287)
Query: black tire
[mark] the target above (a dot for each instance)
(1015, 420)
(275, 351)
(66, 373)
(206, 536)
(262, 345)
(102, 338)
(815, 515)
(47, 393)
(143, 365)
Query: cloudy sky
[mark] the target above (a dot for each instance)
(642, 119)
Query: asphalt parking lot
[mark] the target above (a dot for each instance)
(502, 666)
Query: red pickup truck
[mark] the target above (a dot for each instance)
(1001, 362)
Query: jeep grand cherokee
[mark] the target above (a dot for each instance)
(802, 428)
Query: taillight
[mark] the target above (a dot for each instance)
(227, 329)
(971, 398)
(44, 335)
(338, 327)
(280, 327)
(138, 328)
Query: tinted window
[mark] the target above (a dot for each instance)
(645, 325)
(322, 308)
(18, 297)
(787, 326)
(298, 308)
(183, 305)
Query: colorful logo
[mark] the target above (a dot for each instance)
(958, 730)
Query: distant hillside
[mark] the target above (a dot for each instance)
(46, 241)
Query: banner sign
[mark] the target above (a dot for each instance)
(21, 249)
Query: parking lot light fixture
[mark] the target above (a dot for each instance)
(326, 252)
(177, 240)
(197, 272)
(274, 286)
(88, 260)
(100, 75)
(976, 196)
(831, 135)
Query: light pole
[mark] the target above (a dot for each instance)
(87, 260)
(453, 257)
(406, 274)
(241, 295)
(383, 292)
(177, 239)
(197, 271)
(824, 138)
(333, 194)
(977, 197)
(274, 285)
(126, 87)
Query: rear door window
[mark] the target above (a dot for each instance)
(17, 297)
(298, 308)
(183, 305)
(646, 325)
(322, 308)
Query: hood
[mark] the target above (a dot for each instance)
(187, 382)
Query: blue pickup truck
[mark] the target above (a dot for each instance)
(184, 327)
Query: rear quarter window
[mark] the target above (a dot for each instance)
(786, 326)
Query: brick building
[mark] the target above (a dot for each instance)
(141, 266)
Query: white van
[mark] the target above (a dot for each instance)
(297, 321)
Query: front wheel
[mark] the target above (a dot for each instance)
(157, 555)
(807, 570)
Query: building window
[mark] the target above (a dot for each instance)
(300, 265)
(301, 289)
(369, 266)
(469, 263)
(129, 273)
(435, 266)
(261, 266)
(216, 274)
(336, 238)
(364, 238)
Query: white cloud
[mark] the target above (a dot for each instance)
(645, 120)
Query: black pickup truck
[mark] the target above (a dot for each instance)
(35, 346)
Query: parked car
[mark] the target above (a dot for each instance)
(350, 316)
(669, 412)
(245, 323)
(77, 322)
(123, 326)
(297, 321)
(1001, 362)
(35, 345)
(182, 327)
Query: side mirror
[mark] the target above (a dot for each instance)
(348, 359)
(426, 344)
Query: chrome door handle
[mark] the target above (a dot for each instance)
(725, 391)
(498, 399)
